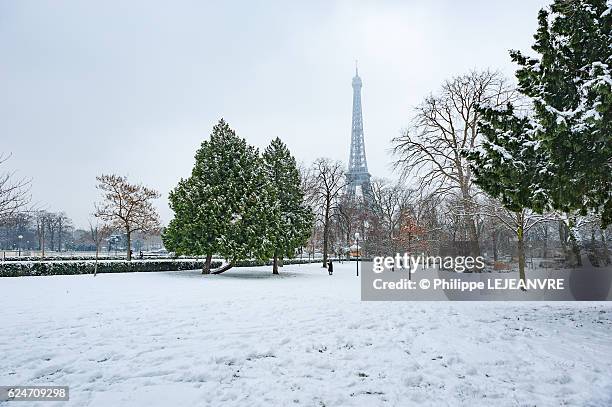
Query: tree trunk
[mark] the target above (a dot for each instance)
(562, 236)
(521, 251)
(473, 234)
(495, 257)
(573, 252)
(275, 264)
(223, 269)
(43, 245)
(576, 259)
(96, 263)
(325, 234)
(206, 266)
(60, 227)
(471, 222)
(38, 232)
(545, 252)
(606, 253)
(51, 237)
(129, 245)
(348, 242)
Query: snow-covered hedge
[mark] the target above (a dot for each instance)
(69, 267)
(22, 269)
(79, 257)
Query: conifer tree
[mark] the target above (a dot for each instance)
(570, 86)
(511, 166)
(290, 218)
(222, 207)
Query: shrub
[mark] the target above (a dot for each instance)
(21, 269)
(70, 267)
(81, 257)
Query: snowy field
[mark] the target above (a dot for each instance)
(303, 338)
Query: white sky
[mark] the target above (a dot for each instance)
(134, 87)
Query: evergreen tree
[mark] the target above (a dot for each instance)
(511, 166)
(222, 207)
(290, 219)
(570, 86)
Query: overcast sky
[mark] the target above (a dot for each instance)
(134, 87)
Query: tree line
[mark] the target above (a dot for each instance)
(40, 229)
(541, 150)
(485, 165)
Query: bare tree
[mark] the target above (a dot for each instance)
(444, 126)
(14, 192)
(43, 219)
(14, 226)
(425, 209)
(349, 211)
(326, 183)
(64, 225)
(127, 206)
(389, 204)
(494, 227)
(571, 228)
(519, 223)
(98, 234)
(51, 228)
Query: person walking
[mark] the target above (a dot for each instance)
(330, 267)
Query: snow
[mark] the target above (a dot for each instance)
(505, 154)
(247, 337)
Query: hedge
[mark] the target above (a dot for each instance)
(83, 258)
(23, 269)
(58, 267)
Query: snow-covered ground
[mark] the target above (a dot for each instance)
(302, 338)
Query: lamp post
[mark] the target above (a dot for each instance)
(357, 241)
(20, 237)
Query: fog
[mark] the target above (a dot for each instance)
(134, 87)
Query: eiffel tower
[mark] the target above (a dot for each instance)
(357, 175)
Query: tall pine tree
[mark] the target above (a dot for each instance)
(291, 219)
(570, 86)
(222, 207)
(510, 166)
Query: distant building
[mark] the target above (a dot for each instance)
(358, 177)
